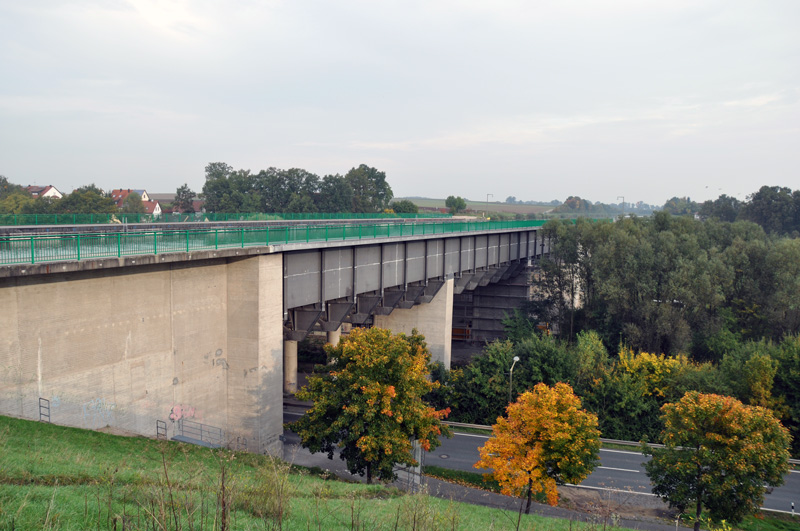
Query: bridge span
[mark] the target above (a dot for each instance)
(201, 326)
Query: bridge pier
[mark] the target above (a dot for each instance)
(434, 320)
(289, 366)
(334, 336)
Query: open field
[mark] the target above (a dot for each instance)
(480, 206)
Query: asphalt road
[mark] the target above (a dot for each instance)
(619, 470)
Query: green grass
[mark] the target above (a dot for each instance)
(53, 477)
(461, 477)
(773, 522)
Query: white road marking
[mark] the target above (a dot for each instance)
(620, 452)
(621, 469)
(611, 490)
(471, 435)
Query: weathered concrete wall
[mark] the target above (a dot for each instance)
(255, 346)
(127, 347)
(434, 320)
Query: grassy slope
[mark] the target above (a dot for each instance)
(65, 478)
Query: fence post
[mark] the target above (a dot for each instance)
(187, 241)
(155, 242)
(119, 245)
(242, 237)
(216, 238)
(79, 247)
(33, 255)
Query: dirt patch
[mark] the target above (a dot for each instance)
(111, 430)
(616, 504)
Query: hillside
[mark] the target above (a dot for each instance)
(53, 477)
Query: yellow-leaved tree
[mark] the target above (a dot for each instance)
(546, 440)
(368, 403)
(718, 455)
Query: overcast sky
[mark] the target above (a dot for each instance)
(535, 99)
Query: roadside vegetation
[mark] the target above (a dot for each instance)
(53, 477)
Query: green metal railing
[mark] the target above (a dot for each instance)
(99, 219)
(61, 247)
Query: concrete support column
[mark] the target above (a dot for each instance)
(433, 320)
(334, 336)
(255, 349)
(289, 366)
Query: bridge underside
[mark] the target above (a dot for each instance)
(396, 285)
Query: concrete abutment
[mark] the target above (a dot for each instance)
(197, 342)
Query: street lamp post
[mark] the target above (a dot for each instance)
(486, 214)
(511, 377)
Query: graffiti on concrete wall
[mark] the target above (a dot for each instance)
(182, 411)
(98, 412)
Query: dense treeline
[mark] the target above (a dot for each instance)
(775, 208)
(362, 189)
(625, 391)
(669, 284)
(685, 304)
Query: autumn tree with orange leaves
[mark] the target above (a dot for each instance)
(546, 440)
(368, 403)
(718, 456)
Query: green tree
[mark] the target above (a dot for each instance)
(132, 204)
(335, 194)
(787, 386)
(16, 203)
(680, 206)
(455, 204)
(481, 388)
(718, 456)
(371, 192)
(404, 206)
(86, 200)
(7, 188)
(217, 188)
(368, 403)
(301, 203)
(772, 207)
(724, 208)
(184, 197)
(546, 440)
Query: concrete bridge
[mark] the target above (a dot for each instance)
(201, 326)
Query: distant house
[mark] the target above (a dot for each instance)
(197, 204)
(152, 207)
(119, 196)
(44, 191)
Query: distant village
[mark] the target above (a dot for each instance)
(154, 204)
